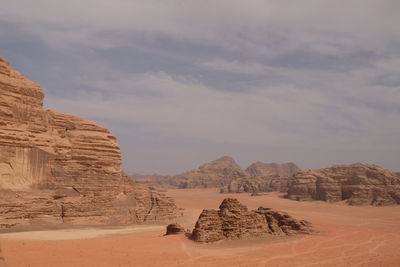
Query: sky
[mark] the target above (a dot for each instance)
(183, 82)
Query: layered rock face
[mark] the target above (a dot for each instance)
(217, 173)
(263, 177)
(356, 184)
(234, 221)
(62, 168)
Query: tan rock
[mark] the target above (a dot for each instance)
(217, 173)
(356, 184)
(263, 177)
(63, 168)
(234, 221)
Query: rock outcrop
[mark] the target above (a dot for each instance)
(263, 177)
(356, 184)
(174, 229)
(217, 173)
(234, 221)
(63, 168)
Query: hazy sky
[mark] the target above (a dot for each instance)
(182, 82)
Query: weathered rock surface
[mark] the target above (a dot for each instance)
(174, 229)
(217, 173)
(63, 168)
(356, 184)
(234, 221)
(263, 177)
(2, 260)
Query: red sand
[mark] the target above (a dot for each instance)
(348, 236)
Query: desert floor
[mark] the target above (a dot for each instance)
(347, 236)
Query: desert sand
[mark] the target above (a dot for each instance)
(346, 236)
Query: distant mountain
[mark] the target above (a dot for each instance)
(217, 173)
(263, 177)
(226, 174)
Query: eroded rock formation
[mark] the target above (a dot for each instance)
(217, 173)
(62, 168)
(263, 177)
(356, 184)
(234, 221)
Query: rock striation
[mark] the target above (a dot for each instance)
(58, 167)
(233, 221)
(263, 177)
(356, 184)
(217, 173)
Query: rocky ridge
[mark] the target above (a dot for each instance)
(58, 167)
(233, 221)
(356, 184)
(263, 177)
(226, 174)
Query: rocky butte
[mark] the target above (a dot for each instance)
(263, 177)
(61, 168)
(233, 221)
(356, 184)
(213, 174)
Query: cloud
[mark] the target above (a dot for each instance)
(316, 80)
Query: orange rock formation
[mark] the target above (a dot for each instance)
(62, 168)
(356, 184)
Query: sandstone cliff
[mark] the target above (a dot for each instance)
(217, 173)
(62, 168)
(234, 221)
(263, 177)
(356, 184)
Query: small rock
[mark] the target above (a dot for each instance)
(175, 229)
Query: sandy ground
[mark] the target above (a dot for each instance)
(348, 236)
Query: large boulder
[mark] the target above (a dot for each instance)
(233, 221)
(59, 168)
(356, 184)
